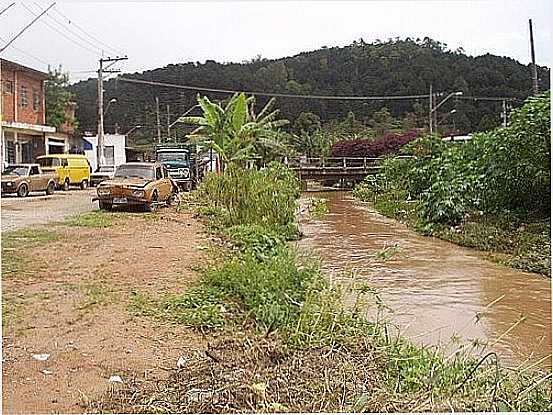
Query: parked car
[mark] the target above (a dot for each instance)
(137, 184)
(103, 173)
(25, 178)
(72, 169)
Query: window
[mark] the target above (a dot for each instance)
(23, 98)
(34, 170)
(36, 100)
(109, 155)
(7, 87)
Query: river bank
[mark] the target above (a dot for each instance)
(438, 293)
(232, 320)
(520, 244)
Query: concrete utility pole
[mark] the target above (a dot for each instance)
(504, 114)
(100, 157)
(158, 122)
(430, 106)
(534, 69)
(168, 124)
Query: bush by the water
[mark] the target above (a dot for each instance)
(266, 197)
(383, 146)
(503, 173)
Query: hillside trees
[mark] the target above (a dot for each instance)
(390, 67)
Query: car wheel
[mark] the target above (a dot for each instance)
(152, 206)
(104, 205)
(66, 185)
(51, 188)
(84, 184)
(23, 190)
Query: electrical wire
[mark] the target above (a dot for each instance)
(271, 94)
(69, 29)
(26, 53)
(78, 27)
(95, 52)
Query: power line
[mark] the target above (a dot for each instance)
(70, 30)
(6, 8)
(26, 27)
(95, 52)
(271, 94)
(27, 53)
(74, 24)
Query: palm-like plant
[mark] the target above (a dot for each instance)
(234, 131)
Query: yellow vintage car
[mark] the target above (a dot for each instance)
(137, 184)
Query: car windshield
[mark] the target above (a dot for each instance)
(175, 157)
(49, 162)
(106, 169)
(127, 171)
(17, 170)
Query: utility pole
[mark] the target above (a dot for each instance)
(504, 114)
(168, 124)
(158, 122)
(430, 106)
(534, 69)
(100, 157)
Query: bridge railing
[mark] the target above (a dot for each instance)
(335, 162)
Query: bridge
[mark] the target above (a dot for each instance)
(351, 169)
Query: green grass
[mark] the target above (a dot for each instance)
(318, 207)
(12, 311)
(97, 293)
(17, 261)
(96, 219)
(521, 245)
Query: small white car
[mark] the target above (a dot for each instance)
(103, 173)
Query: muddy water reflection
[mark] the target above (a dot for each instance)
(435, 289)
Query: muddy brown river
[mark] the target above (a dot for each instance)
(437, 293)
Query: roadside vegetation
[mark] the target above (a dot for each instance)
(492, 193)
(16, 245)
(280, 338)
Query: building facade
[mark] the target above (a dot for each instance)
(114, 150)
(23, 114)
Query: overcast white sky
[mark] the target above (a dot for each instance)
(156, 33)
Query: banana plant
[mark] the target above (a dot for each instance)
(234, 131)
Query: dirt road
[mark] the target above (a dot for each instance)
(71, 300)
(38, 209)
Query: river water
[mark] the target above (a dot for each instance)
(438, 293)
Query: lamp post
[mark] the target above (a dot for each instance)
(453, 111)
(178, 119)
(435, 108)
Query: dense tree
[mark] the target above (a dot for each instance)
(392, 67)
(57, 97)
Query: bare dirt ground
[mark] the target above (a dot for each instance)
(19, 212)
(75, 308)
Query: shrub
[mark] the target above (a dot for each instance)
(267, 197)
(389, 144)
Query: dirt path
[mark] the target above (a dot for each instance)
(74, 306)
(38, 209)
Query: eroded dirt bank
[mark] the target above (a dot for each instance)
(69, 298)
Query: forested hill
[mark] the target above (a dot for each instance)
(395, 67)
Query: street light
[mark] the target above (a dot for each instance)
(111, 101)
(453, 111)
(178, 119)
(136, 127)
(433, 110)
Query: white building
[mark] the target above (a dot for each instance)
(114, 150)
